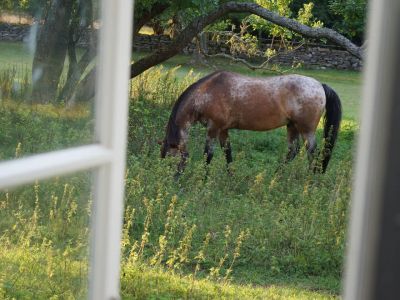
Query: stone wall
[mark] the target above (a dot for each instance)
(13, 33)
(20, 33)
(320, 58)
(311, 56)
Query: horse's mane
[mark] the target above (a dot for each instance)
(173, 137)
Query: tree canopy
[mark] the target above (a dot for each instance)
(64, 20)
(345, 16)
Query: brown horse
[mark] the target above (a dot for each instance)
(225, 100)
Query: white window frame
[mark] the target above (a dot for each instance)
(106, 157)
(372, 178)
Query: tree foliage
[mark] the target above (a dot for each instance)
(352, 14)
(184, 19)
(31, 7)
(346, 16)
(304, 15)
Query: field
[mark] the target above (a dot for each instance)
(257, 234)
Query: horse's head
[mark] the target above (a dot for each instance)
(168, 149)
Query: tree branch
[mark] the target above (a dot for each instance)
(263, 66)
(197, 25)
(146, 17)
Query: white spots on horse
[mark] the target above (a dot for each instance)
(294, 107)
(240, 87)
(307, 89)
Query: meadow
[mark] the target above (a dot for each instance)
(256, 234)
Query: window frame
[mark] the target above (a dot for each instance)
(371, 267)
(106, 157)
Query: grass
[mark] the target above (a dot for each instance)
(144, 281)
(14, 53)
(36, 128)
(258, 234)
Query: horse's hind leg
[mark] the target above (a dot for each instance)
(293, 142)
(311, 146)
(225, 145)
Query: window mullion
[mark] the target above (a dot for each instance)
(111, 131)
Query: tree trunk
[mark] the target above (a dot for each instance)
(51, 50)
(85, 90)
(76, 73)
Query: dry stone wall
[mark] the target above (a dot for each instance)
(311, 56)
(13, 33)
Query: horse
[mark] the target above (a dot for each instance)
(226, 100)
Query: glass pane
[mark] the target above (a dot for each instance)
(44, 237)
(47, 52)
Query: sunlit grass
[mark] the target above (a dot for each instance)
(142, 282)
(146, 30)
(266, 232)
(15, 53)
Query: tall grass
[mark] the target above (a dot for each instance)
(15, 82)
(195, 237)
(43, 238)
(296, 219)
(37, 128)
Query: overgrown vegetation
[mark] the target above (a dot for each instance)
(199, 237)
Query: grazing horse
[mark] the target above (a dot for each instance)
(225, 100)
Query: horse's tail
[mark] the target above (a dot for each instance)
(332, 119)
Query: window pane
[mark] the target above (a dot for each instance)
(47, 52)
(44, 239)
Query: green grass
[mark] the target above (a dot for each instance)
(138, 281)
(142, 282)
(34, 128)
(297, 220)
(13, 53)
(258, 234)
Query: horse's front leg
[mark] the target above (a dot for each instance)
(184, 134)
(209, 151)
(226, 146)
(182, 162)
(209, 147)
